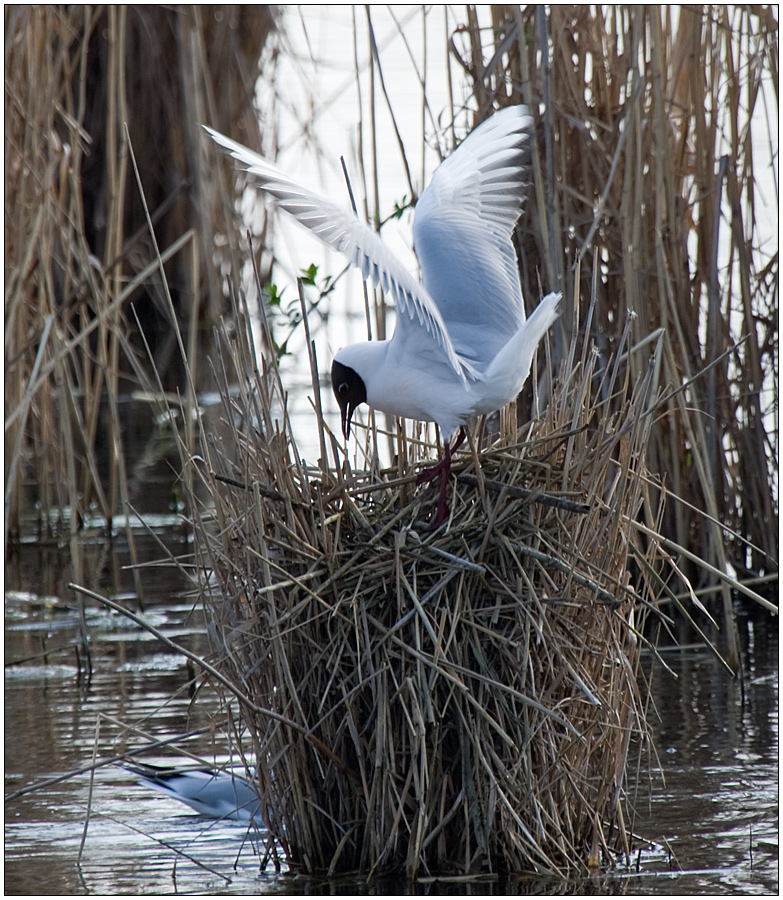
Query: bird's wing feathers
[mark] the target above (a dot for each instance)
(346, 234)
(462, 234)
(222, 795)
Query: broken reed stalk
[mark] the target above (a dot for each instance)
(475, 688)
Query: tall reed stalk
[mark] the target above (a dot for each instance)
(647, 194)
(83, 84)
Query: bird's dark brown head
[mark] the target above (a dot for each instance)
(349, 390)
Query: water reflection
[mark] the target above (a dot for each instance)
(715, 802)
(710, 808)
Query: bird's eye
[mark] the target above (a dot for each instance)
(342, 389)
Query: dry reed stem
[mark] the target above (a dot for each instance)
(77, 243)
(475, 688)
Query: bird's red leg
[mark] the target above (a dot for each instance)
(442, 468)
(431, 473)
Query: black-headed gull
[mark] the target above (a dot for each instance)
(219, 795)
(461, 345)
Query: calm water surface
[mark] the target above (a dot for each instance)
(709, 804)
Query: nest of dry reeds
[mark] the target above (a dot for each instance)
(452, 702)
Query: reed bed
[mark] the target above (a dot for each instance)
(91, 257)
(649, 190)
(459, 702)
(465, 701)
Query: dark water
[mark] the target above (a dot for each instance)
(708, 805)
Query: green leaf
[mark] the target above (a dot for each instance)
(309, 274)
(281, 350)
(399, 208)
(274, 296)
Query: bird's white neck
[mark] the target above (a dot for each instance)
(397, 386)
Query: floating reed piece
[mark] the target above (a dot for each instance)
(453, 702)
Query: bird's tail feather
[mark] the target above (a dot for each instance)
(517, 355)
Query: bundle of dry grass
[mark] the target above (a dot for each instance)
(459, 702)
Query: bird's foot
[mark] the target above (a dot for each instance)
(443, 510)
(428, 475)
(441, 470)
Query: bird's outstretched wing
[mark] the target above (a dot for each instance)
(341, 230)
(462, 234)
